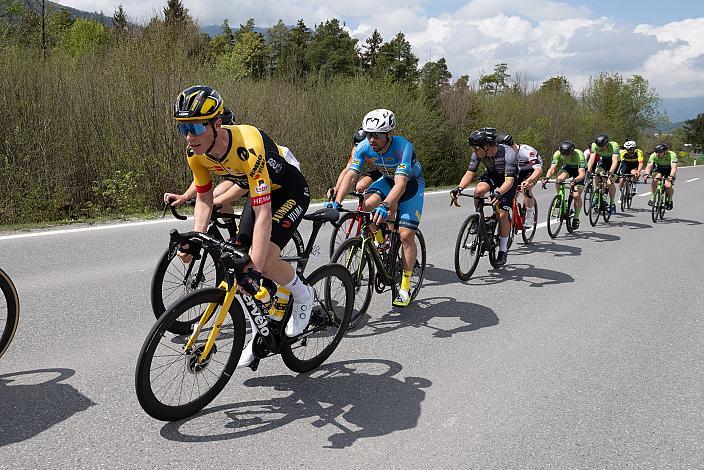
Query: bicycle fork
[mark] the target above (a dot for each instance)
(229, 297)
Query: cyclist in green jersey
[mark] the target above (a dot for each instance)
(662, 164)
(604, 158)
(572, 164)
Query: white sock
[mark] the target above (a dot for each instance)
(503, 243)
(298, 289)
(530, 211)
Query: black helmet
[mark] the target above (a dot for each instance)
(198, 103)
(359, 136)
(228, 117)
(601, 140)
(566, 147)
(506, 139)
(484, 136)
(661, 148)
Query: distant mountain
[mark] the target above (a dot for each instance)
(682, 109)
(36, 6)
(673, 126)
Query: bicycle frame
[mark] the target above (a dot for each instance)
(483, 233)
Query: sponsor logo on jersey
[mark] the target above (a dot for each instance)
(242, 153)
(262, 187)
(275, 165)
(257, 169)
(402, 167)
(355, 161)
(286, 223)
(283, 210)
(259, 200)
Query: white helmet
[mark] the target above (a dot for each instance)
(379, 120)
(631, 144)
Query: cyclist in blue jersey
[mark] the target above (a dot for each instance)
(402, 182)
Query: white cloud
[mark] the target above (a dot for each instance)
(537, 38)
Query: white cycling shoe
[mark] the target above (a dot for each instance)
(247, 355)
(300, 314)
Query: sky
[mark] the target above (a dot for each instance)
(660, 40)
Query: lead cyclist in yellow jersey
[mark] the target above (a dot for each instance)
(278, 191)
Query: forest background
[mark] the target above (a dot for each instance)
(87, 104)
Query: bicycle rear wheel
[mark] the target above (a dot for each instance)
(171, 383)
(625, 192)
(358, 262)
(334, 300)
(348, 226)
(468, 248)
(555, 218)
(9, 311)
(173, 280)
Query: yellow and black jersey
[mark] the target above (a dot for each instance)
(252, 160)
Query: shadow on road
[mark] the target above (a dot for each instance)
(598, 237)
(535, 277)
(666, 220)
(33, 401)
(555, 249)
(633, 225)
(353, 399)
(434, 276)
(429, 313)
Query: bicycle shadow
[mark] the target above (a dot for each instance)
(667, 220)
(598, 237)
(514, 272)
(434, 276)
(30, 404)
(422, 312)
(556, 249)
(358, 399)
(632, 225)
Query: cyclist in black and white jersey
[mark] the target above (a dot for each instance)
(530, 167)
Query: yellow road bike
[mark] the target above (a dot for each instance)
(179, 374)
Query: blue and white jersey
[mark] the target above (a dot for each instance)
(399, 159)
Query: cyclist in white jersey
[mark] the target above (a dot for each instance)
(530, 167)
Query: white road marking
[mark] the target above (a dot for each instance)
(645, 194)
(693, 179)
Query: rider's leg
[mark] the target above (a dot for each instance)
(669, 190)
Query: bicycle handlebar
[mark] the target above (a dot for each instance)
(232, 257)
(215, 214)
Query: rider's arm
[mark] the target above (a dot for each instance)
(581, 172)
(537, 171)
(551, 171)
(232, 194)
(466, 179)
(592, 160)
(508, 183)
(673, 165)
(204, 198)
(510, 172)
(261, 235)
(354, 168)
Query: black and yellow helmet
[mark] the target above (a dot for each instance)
(198, 103)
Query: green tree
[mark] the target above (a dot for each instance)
(332, 51)
(277, 41)
(247, 58)
(227, 32)
(292, 63)
(693, 130)
(84, 36)
(371, 50)
(496, 82)
(176, 15)
(119, 20)
(434, 78)
(558, 84)
(397, 60)
(248, 27)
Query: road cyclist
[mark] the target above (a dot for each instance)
(568, 161)
(402, 182)
(662, 164)
(530, 167)
(604, 159)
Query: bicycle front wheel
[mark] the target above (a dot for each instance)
(555, 218)
(348, 226)
(172, 382)
(173, 280)
(418, 268)
(467, 248)
(528, 234)
(597, 203)
(358, 262)
(332, 308)
(9, 311)
(588, 194)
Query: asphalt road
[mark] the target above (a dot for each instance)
(583, 352)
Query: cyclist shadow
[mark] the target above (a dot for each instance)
(434, 276)
(357, 399)
(598, 237)
(33, 401)
(678, 221)
(522, 273)
(631, 225)
(553, 248)
(422, 312)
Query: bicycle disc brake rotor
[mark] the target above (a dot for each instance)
(379, 285)
(195, 367)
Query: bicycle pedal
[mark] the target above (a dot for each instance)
(254, 365)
